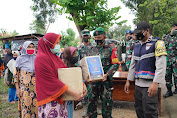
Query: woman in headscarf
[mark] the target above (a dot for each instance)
(70, 58)
(10, 82)
(49, 88)
(24, 78)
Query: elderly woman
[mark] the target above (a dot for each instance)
(49, 87)
(24, 78)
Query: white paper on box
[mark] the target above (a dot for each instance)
(72, 77)
(92, 67)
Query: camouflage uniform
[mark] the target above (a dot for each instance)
(129, 49)
(103, 90)
(122, 49)
(171, 48)
(83, 51)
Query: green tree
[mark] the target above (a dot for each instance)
(68, 38)
(5, 34)
(161, 14)
(89, 14)
(118, 32)
(45, 13)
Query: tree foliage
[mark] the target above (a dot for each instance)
(118, 32)
(161, 14)
(45, 13)
(68, 38)
(89, 14)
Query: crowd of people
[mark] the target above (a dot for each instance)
(33, 79)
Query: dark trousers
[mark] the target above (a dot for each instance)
(146, 107)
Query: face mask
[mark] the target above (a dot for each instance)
(99, 42)
(86, 39)
(14, 58)
(56, 49)
(140, 36)
(174, 32)
(74, 60)
(30, 51)
(129, 37)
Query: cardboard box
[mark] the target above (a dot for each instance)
(92, 67)
(72, 77)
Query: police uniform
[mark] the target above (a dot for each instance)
(171, 47)
(148, 64)
(103, 90)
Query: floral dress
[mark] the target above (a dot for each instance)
(53, 110)
(27, 104)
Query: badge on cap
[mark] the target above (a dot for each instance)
(96, 32)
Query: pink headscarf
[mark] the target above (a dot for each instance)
(72, 49)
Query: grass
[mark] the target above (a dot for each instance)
(7, 110)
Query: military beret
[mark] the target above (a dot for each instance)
(85, 32)
(98, 31)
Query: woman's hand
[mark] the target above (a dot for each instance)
(77, 95)
(84, 90)
(18, 93)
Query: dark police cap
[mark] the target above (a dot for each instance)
(142, 25)
(98, 31)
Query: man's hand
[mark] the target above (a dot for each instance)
(126, 87)
(105, 77)
(152, 90)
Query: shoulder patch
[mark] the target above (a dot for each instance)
(160, 48)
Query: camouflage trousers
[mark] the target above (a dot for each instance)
(89, 92)
(171, 71)
(102, 91)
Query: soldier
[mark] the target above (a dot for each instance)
(147, 68)
(102, 89)
(122, 55)
(171, 47)
(129, 47)
(85, 50)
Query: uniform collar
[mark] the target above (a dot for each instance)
(147, 41)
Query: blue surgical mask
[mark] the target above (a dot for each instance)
(56, 49)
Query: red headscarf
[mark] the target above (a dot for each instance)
(48, 86)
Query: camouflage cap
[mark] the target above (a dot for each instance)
(85, 32)
(98, 31)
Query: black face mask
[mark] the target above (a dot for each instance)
(14, 58)
(74, 60)
(130, 37)
(99, 42)
(86, 39)
(140, 36)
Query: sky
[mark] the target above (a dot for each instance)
(17, 15)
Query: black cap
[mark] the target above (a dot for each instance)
(142, 25)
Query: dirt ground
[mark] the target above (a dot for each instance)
(122, 109)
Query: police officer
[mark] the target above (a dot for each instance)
(102, 89)
(148, 66)
(129, 47)
(171, 47)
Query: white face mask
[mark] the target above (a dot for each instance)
(56, 49)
